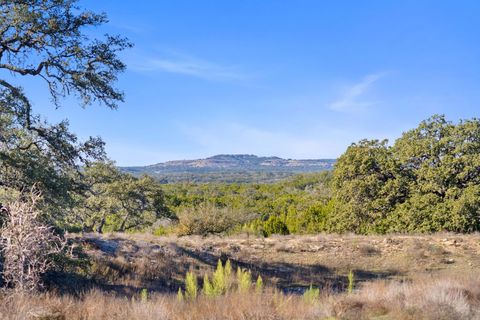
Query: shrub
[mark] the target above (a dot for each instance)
(221, 283)
(207, 287)
(274, 225)
(315, 218)
(207, 218)
(190, 286)
(244, 280)
(219, 280)
(161, 231)
(29, 247)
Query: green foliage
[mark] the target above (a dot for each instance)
(223, 281)
(351, 281)
(311, 294)
(228, 273)
(208, 218)
(116, 201)
(219, 280)
(365, 187)
(427, 181)
(191, 286)
(46, 40)
(274, 225)
(180, 295)
(244, 280)
(259, 285)
(208, 287)
(226, 208)
(161, 231)
(144, 295)
(228, 269)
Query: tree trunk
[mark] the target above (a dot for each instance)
(124, 222)
(100, 226)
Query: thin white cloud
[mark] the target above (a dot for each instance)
(130, 154)
(353, 98)
(238, 138)
(189, 66)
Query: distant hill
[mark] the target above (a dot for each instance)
(230, 168)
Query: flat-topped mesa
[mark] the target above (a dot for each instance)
(243, 166)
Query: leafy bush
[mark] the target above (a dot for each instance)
(429, 180)
(208, 218)
(274, 225)
(227, 208)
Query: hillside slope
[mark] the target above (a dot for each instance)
(230, 168)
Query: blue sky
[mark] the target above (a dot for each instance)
(296, 79)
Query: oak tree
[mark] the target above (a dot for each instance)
(46, 40)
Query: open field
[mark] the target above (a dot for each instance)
(396, 277)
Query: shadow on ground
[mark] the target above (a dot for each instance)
(125, 267)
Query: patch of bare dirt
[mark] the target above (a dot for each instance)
(132, 262)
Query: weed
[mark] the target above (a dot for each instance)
(190, 286)
(351, 281)
(207, 287)
(311, 294)
(219, 281)
(180, 294)
(244, 279)
(259, 285)
(144, 295)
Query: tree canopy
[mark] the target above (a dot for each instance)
(117, 201)
(47, 40)
(428, 180)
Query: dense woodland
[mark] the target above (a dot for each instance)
(427, 181)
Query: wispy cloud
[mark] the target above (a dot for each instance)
(139, 154)
(353, 98)
(239, 138)
(189, 66)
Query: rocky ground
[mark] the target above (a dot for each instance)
(127, 263)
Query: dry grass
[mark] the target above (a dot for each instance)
(446, 297)
(396, 277)
(424, 298)
(288, 262)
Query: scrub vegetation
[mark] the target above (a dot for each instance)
(389, 233)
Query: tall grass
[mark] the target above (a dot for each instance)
(351, 281)
(191, 288)
(444, 297)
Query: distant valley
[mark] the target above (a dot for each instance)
(230, 168)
